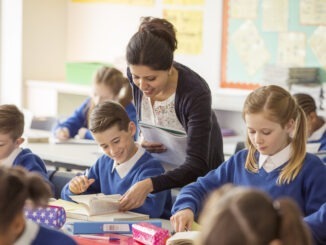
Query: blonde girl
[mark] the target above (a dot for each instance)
(109, 84)
(275, 161)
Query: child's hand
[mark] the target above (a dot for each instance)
(62, 134)
(153, 147)
(80, 184)
(82, 132)
(182, 220)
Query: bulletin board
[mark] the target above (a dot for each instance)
(257, 33)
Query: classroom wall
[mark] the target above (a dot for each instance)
(100, 32)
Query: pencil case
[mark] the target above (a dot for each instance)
(149, 234)
(52, 216)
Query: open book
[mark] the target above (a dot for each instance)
(96, 207)
(175, 142)
(183, 238)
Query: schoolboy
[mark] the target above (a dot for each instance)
(11, 152)
(123, 164)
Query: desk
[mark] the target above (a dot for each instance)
(69, 156)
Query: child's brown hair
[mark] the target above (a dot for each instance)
(107, 115)
(240, 215)
(16, 186)
(11, 121)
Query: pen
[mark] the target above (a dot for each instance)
(106, 238)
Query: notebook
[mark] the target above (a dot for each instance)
(175, 142)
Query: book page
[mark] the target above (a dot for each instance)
(175, 144)
(98, 203)
(185, 237)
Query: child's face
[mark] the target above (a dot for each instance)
(267, 136)
(102, 93)
(7, 145)
(117, 144)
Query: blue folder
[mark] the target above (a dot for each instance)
(119, 227)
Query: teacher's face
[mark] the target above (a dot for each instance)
(150, 82)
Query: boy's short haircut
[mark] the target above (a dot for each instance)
(11, 121)
(106, 115)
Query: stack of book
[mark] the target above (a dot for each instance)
(287, 76)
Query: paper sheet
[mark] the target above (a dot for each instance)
(176, 145)
(250, 47)
(243, 9)
(317, 43)
(313, 12)
(272, 21)
(292, 49)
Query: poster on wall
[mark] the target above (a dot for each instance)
(189, 26)
(129, 2)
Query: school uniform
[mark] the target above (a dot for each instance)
(27, 159)
(35, 234)
(319, 136)
(79, 120)
(308, 189)
(317, 221)
(111, 178)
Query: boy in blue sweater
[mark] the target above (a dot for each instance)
(123, 164)
(275, 161)
(11, 131)
(109, 84)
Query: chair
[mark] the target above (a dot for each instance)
(59, 179)
(239, 146)
(44, 123)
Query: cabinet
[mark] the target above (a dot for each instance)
(55, 98)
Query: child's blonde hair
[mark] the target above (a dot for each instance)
(279, 106)
(11, 121)
(116, 81)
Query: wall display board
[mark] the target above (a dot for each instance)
(256, 33)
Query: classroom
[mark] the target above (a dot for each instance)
(51, 51)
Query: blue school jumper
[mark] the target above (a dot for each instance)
(33, 163)
(109, 182)
(308, 189)
(78, 120)
(322, 142)
(317, 222)
(50, 236)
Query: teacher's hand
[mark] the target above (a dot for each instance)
(153, 147)
(136, 195)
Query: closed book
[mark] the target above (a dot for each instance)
(119, 227)
(103, 239)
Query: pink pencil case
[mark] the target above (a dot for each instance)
(149, 234)
(52, 216)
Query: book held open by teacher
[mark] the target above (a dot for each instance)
(175, 142)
